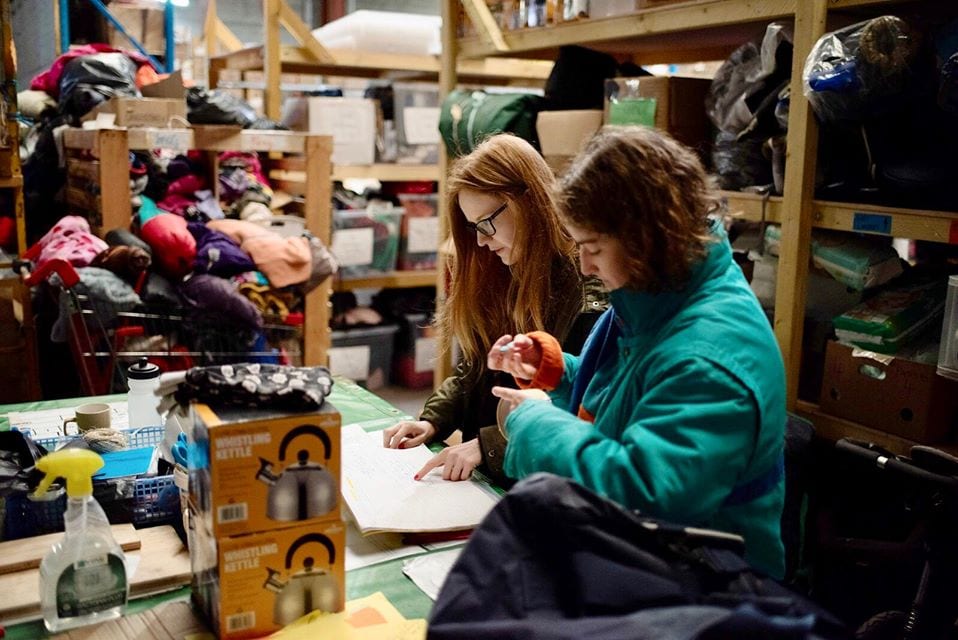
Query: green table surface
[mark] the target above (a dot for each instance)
(356, 405)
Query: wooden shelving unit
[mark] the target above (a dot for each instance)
(708, 30)
(98, 181)
(393, 280)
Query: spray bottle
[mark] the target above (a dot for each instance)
(83, 578)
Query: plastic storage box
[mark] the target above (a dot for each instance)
(416, 110)
(366, 241)
(419, 231)
(363, 354)
(415, 352)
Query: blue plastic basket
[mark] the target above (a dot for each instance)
(145, 501)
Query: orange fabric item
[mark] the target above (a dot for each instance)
(145, 75)
(585, 415)
(550, 369)
(284, 261)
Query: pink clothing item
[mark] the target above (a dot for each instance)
(174, 248)
(284, 261)
(70, 239)
(175, 203)
(49, 80)
(187, 185)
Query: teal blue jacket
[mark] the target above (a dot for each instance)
(689, 407)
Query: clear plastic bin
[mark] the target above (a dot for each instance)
(366, 241)
(419, 231)
(363, 354)
(416, 109)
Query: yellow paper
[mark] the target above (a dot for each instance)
(369, 618)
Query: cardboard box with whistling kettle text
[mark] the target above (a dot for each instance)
(249, 585)
(254, 470)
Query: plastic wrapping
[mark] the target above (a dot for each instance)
(860, 70)
(217, 107)
(740, 162)
(90, 80)
(746, 87)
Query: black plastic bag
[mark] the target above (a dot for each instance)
(89, 80)
(18, 455)
(204, 106)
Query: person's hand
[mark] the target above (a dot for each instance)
(519, 356)
(408, 434)
(512, 398)
(457, 461)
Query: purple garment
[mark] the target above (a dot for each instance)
(216, 253)
(214, 295)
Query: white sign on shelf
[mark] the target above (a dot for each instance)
(351, 362)
(421, 125)
(423, 234)
(425, 359)
(353, 246)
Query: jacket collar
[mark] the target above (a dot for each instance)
(638, 312)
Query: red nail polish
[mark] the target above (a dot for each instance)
(415, 477)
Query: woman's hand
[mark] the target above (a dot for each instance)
(408, 434)
(512, 398)
(457, 462)
(519, 356)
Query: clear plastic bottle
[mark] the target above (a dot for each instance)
(143, 379)
(83, 578)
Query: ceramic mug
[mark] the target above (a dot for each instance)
(95, 415)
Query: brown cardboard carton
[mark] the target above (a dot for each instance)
(891, 394)
(163, 104)
(258, 469)
(679, 105)
(145, 25)
(250, 585)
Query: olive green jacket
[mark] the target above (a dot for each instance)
(464, 401)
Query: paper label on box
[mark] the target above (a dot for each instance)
(353, 246)
(633, 111)
(351, 122)
(421, 125)
(423, 234)
(425, 359)
(351, 362)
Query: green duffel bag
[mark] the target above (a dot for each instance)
(469, 117)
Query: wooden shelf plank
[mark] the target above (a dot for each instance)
(703, 24)
(394, 280)
(11, 182)
(383, 172)
(914, 224)
(376, 64)
(833, 428)
(748, 206)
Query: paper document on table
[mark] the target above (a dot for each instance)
(48, 423)
(379, 488)
(429, 571)
(363, 551)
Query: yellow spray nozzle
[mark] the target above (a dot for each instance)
(76, 466)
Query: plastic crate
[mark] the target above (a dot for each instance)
(419, 231)
(137, 500)
(363, 354)
(366, 241)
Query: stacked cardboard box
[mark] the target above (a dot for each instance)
(266, 533)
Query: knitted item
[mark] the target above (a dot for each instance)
(104, 440)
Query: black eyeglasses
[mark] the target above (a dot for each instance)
(485, 226)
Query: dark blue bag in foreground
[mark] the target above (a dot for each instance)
(554, 560)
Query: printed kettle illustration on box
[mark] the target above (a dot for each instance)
(256, 470)
(313, 588)
(304, 489)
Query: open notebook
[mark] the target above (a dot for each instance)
(379, 489)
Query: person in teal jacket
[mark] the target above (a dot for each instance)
(676, 406)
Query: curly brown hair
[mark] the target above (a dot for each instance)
(639, 185)
(487, 298)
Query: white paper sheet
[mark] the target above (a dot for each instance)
(48, 423)
(364, 551)
(428, 572)
(379, 488)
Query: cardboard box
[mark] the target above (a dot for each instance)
(250, 585)
(894, 395)
(562, 134)
(672, 104)
(350, 121)
(161, 102)
(258, 469)
(145, 25)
